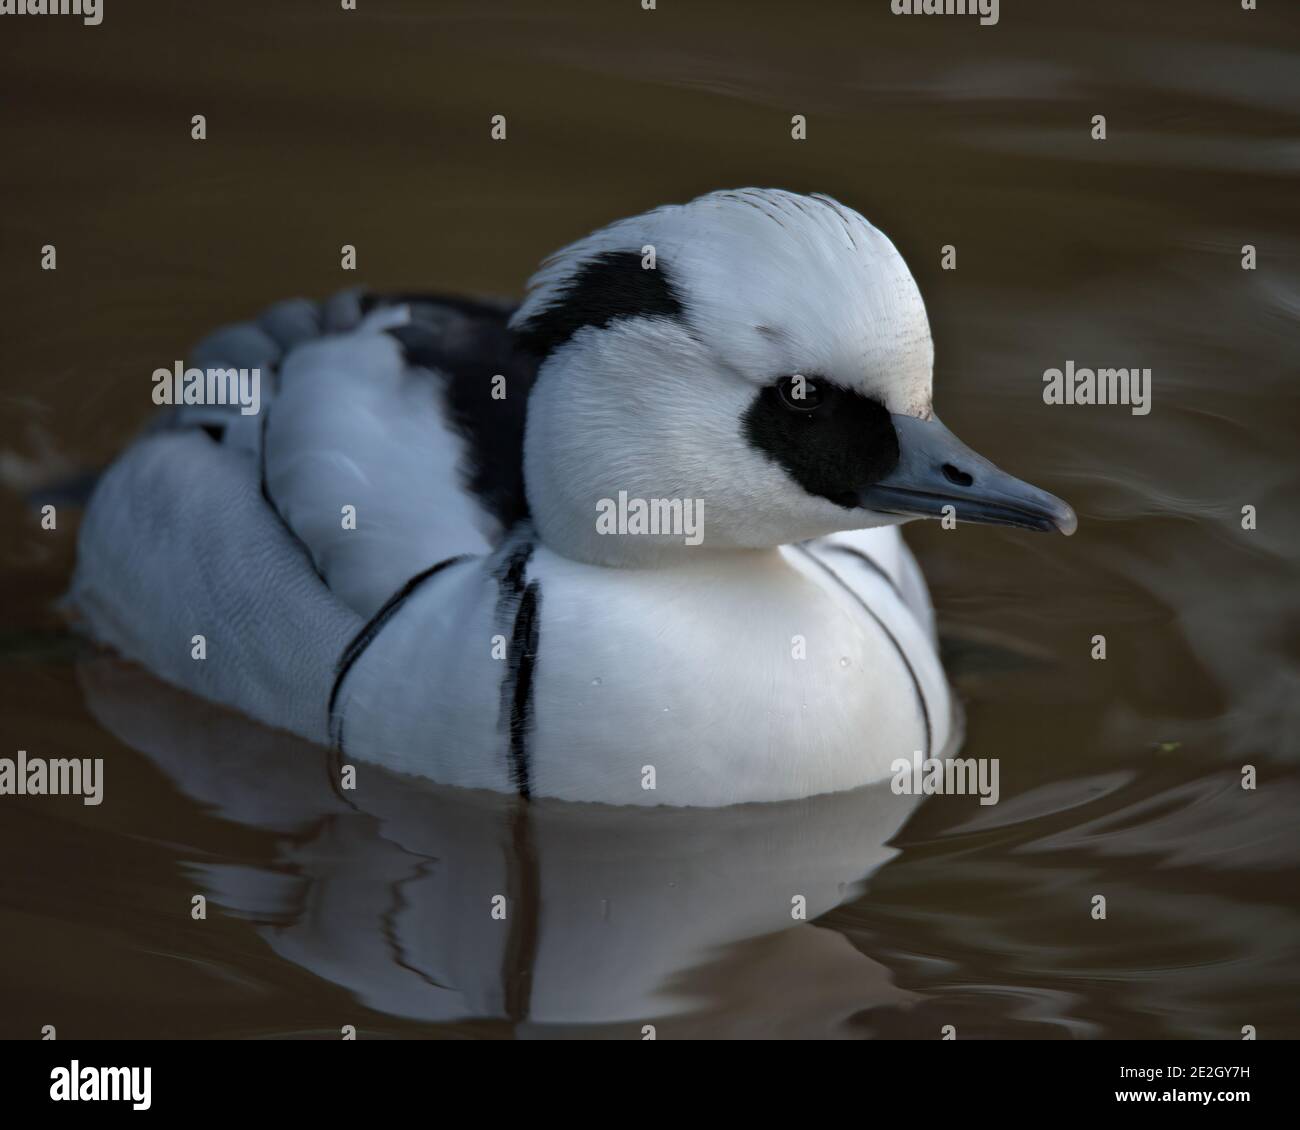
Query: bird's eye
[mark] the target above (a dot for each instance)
(799, 393)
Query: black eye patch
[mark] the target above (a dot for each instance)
(833, 450)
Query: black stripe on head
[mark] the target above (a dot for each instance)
(606, 288)
(833, 450)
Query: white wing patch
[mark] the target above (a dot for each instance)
(354, 426)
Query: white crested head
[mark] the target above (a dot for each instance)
(776, 282)
(757, 351)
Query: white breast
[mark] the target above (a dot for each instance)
(741, 677)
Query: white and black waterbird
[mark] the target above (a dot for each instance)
(429, 547)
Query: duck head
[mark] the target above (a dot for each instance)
(763, 352)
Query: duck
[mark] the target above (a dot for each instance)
(429, 549)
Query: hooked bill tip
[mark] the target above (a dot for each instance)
(1066, 520)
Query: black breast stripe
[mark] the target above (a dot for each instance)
(366, 637)
(874, 566)
(519, 607)
(916, 683)
(510, 574)
(525, 644)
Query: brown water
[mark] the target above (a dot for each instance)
(1119, 777)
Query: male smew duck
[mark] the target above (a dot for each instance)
(634, 541)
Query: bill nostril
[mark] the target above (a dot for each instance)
(957, 476)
